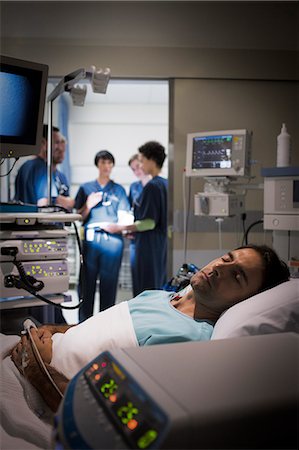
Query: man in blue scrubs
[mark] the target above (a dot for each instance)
(100, 202)
(150, 225)
(31, 187)
(31, 180)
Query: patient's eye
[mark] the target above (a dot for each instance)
(238, 277)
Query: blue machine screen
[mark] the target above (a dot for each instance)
(19, 106)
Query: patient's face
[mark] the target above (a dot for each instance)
(230, 279)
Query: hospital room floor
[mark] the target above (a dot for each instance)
(72, 316)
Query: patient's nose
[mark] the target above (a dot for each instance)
(220, 268)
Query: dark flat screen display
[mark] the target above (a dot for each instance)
(22, 87)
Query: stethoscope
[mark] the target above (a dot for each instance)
(106, 199)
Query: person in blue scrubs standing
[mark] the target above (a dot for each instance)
(100, 202)
(31, 188)
(135, 191)
(31, 180)
(150, 222)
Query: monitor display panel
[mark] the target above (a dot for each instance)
(212, 152)
(218, 153)
(23, 94)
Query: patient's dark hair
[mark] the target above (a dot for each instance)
(275, 269)
(104, 154)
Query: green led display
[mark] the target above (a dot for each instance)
(127, 412)
(147, 438)
(109, 388)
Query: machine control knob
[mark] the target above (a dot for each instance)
(237, 165)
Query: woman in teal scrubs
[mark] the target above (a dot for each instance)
(100, 201)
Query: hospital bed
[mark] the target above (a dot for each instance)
(238, 390)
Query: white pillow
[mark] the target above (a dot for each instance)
(273, 311)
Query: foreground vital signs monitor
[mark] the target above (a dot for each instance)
(23, 92)
(218, 153)
(185, 396)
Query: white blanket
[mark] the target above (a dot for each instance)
(25, 418)
(109, 329)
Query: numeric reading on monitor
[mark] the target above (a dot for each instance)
(139, 420)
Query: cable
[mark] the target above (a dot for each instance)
(14, 281)
(184, 216)
(186, 211)
(28, 280)
(42, 364)
(219, 220)
(31, 284)
(5, 175)
(245, 237)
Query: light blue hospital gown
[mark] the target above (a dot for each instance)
(156, 321)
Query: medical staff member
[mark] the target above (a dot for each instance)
(31, 187)
(135, 191)
(100, 202)
(150, 225)
(31, 180)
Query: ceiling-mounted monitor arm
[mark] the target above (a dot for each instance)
(99, 80)
(64, 85)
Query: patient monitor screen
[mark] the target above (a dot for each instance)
(212, 152)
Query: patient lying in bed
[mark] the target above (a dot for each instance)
(153, 317)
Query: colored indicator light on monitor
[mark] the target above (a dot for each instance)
(97, 377)
(104, 364)
(95, 366)
(113, 398)
(132, 424)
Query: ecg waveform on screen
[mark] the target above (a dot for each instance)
(212, 153)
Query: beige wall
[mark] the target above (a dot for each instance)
(258, 106)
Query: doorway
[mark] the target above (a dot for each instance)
(129, 114)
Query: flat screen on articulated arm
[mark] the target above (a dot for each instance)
(23, 94)
(218, 153)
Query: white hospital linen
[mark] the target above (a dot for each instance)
(109, 329)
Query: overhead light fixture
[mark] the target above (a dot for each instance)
(78, 95)
(99, 79)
